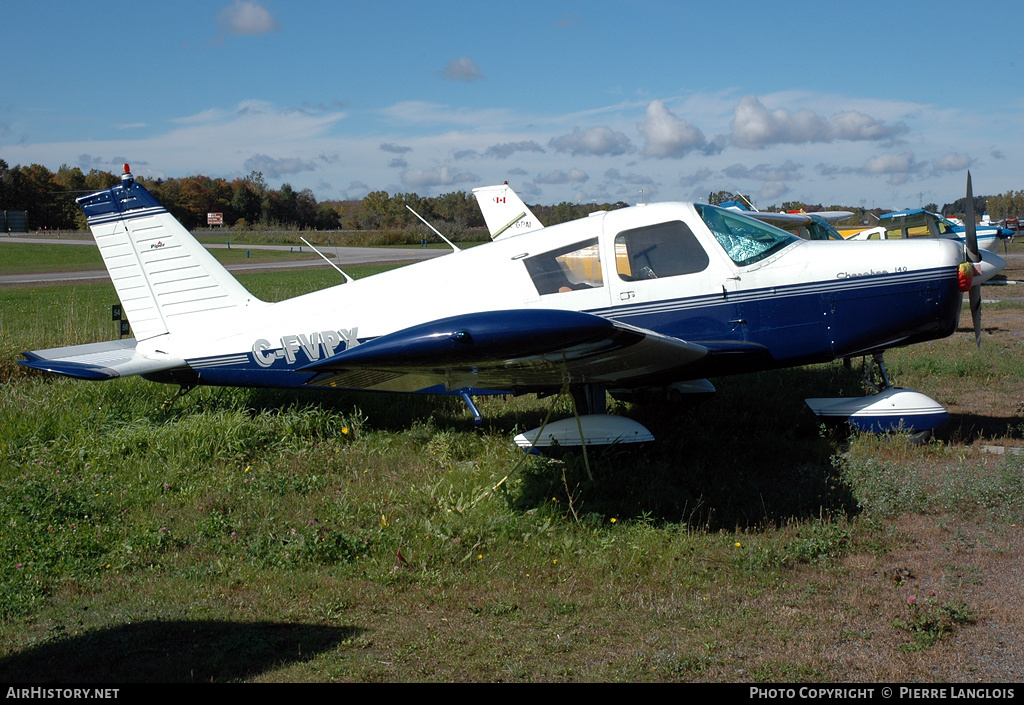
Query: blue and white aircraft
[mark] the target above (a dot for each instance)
(818, 226)
(921, 223)
(655, 297)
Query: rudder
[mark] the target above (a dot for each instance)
(504, 212)
(162, 275)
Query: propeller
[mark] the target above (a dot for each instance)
(974, 257)
(1006, 241)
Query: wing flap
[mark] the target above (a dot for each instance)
(505, 350)
(98, 361)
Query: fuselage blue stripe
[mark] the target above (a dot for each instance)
(798, 324)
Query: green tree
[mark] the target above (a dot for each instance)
(375, 208)
(246, 200)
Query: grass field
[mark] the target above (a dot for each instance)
(249, 535)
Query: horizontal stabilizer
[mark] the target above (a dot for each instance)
(98, 361)
(506, 350)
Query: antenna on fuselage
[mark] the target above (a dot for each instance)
(328, 261)
(436, 231)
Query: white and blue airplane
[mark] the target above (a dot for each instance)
(922, 223)
(655, 297)
(818, 226)
(810, 226)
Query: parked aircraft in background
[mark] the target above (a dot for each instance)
(921, 223)
(644, 299)
(818, 226)
(809, 226)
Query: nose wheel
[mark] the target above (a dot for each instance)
(885, 408)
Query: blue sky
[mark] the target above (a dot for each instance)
(882, 104)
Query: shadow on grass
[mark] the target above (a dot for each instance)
(754, 455)
(968, 428)
(173, 652)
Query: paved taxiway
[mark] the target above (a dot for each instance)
(341, 256)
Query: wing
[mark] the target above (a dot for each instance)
(781, 220)
(523, 349)
(116, 358)
(905, 219)
(784, 220)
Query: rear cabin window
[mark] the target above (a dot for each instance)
(572, 268)
(662, 250)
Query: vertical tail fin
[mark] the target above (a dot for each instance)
(162, 275)
(504, 212)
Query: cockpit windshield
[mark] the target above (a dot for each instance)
(744, 239)
(946, 227)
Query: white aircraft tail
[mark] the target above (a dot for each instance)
(163, 276)
(504, 212)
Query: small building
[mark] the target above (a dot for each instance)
(13, 222)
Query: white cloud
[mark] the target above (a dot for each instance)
(754, 126)
(246, 18)
(573, 176)
(571, 19)
(462, 69)
(789, 171)
(599, 141)
(902, 162)
(438, 176)
(698, 177)
(952, 162)
(855, 126)
(507, 149)
(633, 179)
(423, 112)
(772, 190)
(898, 166)
(275, 168)
(668, 135)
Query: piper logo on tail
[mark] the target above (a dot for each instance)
(327, 342)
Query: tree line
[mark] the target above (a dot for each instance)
(249, 203)
(245, 203)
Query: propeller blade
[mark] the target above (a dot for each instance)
(969, 228)
(975, 299)
(974, 256)
(1006, 244)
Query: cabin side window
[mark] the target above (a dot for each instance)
(572, 268)
(655, 251)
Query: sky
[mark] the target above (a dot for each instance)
(874, 104)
